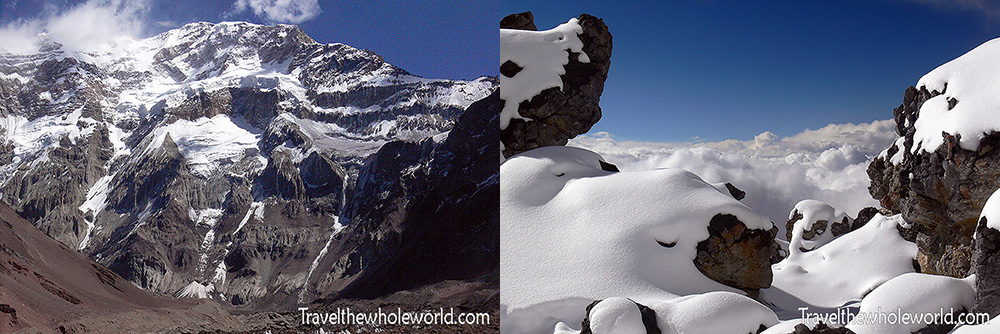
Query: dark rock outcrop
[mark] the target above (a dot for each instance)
(986, 263)
(941, 193)
(438, 220)
(820, 328)
(737, 256)
(519, 21)
(736, 192)
(561, 114)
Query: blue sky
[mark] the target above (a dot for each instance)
(437, 39)
(713, 70)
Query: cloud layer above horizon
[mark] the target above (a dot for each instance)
(280, 11)
(828, 164)
(84, 27)
(92, 24)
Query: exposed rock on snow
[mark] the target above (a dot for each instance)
(519, 21)
(943, 167)
(812, 224)
(572, 233)
(737, 256)
(559, 88)
(986, 258)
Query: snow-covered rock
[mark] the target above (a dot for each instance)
(707, 313)
(812, 224)
(616, 316)
(572, 233)
(967, 104)
(843, 270)
(551, 81)
(986, 257)
(942, 168)
(922, 296)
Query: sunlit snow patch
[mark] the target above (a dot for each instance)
(915, 294)
(972, 80)
(571, 233)
(207, 143)
(816, 219)
(843, 270)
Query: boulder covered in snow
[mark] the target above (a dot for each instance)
(944, 165)
(843, 270)
(914, 303)
(813, 223)
(551, 81)
(572, 232)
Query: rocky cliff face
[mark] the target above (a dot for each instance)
(940, 192)
(221, 157)
(561, 114)
(441, 221)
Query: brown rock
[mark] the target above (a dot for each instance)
(737, 256)
(941, 193)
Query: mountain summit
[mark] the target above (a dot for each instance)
(228, 160)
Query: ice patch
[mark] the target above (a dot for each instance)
(96, 201)
(208, 143)
(337, 227)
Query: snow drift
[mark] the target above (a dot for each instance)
(572, 233)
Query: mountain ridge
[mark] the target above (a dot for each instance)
(218, 154)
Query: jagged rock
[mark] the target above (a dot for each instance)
(519, 21)
(941, 193)
(561, 114)
(864, 216)
(986, 263)
(736, 256)
(648, 319)
(439, 220)
(736, 192)
(820, 328)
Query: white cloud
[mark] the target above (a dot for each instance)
(828, 164)
(85, 27)
(282, 11)
(988, 8)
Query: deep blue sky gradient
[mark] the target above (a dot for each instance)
(434, 39)
(715, 70)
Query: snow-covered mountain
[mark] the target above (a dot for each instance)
(213, 159)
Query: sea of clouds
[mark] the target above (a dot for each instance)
(828, 164)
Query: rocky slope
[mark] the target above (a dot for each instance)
(220, 160)
(46, 285)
